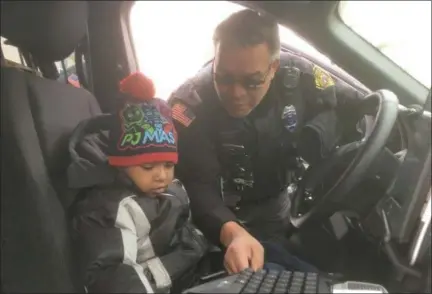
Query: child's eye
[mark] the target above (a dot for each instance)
(169, 165)
(147, 166)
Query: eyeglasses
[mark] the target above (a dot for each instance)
(247, 83)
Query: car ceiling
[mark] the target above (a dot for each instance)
(316, 21)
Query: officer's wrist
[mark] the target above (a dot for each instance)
(229, 231)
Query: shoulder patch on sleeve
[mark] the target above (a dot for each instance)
(187, 93)
(323, 79)
(182, 114)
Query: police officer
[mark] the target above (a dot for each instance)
(244, 121)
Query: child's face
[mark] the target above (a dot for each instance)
(152, 178)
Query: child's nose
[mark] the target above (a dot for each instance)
(161, 173)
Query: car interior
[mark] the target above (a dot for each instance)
(379, 234)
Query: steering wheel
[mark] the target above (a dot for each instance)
(365, 152)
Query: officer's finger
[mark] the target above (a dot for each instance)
(228, 268)
(257, 257)
(230, 261)
(237, 260)
(242, 262)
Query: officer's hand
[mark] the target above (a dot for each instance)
(244, 251)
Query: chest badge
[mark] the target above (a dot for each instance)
(289, 118)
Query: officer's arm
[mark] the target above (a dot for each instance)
(348, 103)
(330, 102)
(320, 129)
(199, 170)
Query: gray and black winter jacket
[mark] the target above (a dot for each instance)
(125, 241)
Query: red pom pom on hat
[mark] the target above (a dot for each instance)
(138, 86)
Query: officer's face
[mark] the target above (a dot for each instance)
(242, 76)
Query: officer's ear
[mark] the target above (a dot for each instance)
(274, 67)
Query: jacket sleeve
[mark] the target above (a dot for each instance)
(348, 102)
(330, 103)
(107, 255)
(199, 170)
(320, 130)
(188, 248)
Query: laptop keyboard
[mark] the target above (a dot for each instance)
(263, 281)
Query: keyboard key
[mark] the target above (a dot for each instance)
(256, 280)
(260, 272)
(271, 279)
(242, 280)
(312, 275)
(265, 290)
(285, 276)
(309, 289)
(266, 285)
(258, 275)
(296, 286)
(299, 276)
(280, 290)
(246, 273)
(252, 286)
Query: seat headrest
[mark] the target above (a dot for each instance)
(49, 30)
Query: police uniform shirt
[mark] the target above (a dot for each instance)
(199, 165)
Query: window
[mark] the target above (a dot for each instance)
(11, 53)
(13, 57)
(67, 71)
(173, 39)
(401, 30)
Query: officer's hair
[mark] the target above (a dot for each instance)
(249, 28)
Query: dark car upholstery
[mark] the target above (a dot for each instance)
(37, 116)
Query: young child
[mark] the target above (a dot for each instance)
(131, 225)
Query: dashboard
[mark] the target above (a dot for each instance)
(391, 209)
(407, 175)
(399, 221)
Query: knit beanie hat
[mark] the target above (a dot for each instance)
(142, 131)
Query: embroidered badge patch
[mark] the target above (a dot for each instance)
(182, 114)
(323, 79)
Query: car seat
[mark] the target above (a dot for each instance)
(37, 116)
